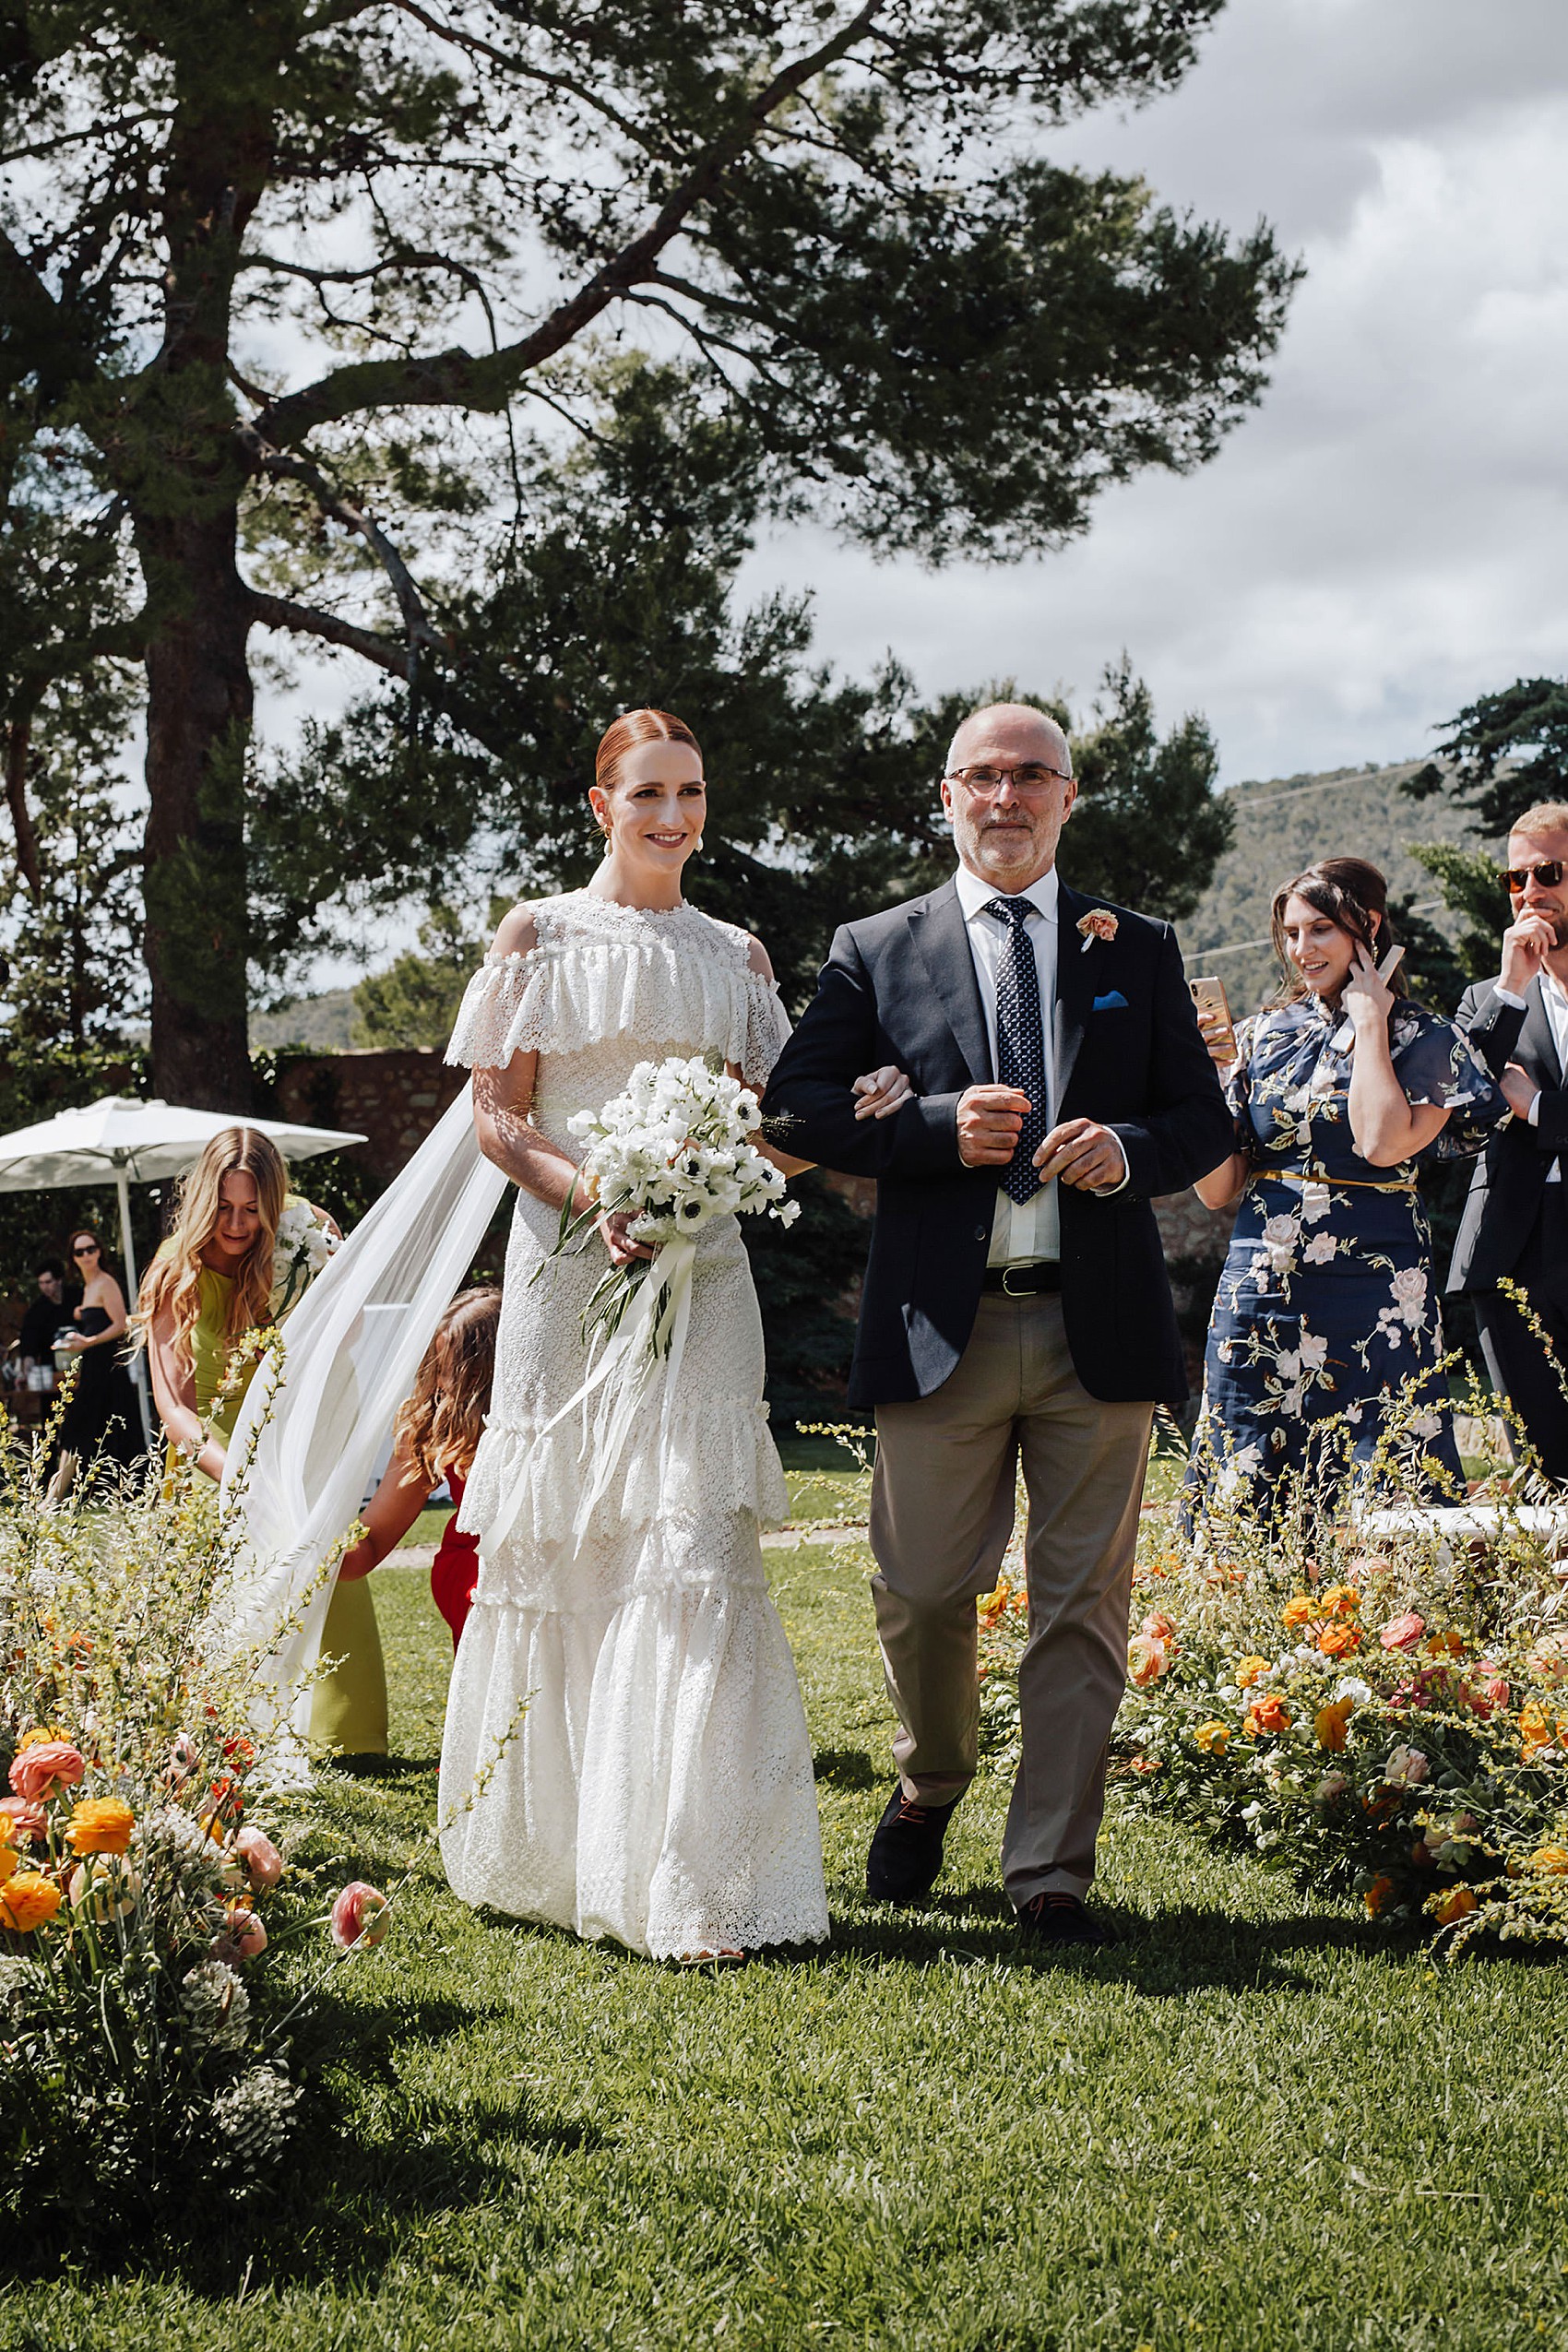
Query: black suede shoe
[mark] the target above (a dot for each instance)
(1056, 1920)
(904, 1860)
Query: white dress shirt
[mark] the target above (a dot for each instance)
(1555, 1000)
(1021, 1232)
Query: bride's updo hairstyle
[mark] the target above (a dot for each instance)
(635, 727)
(1349, 892)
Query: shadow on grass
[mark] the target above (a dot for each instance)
(363, 2171)
(849, 1768)
(1179, 1950)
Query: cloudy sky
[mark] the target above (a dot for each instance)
(1383, 538)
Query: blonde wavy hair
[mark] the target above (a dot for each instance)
(172, 1282)
(441, 1424)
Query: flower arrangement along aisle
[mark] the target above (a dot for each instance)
(144, 2059)
(1376, 1706)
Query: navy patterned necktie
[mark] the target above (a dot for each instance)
(1020, 1040)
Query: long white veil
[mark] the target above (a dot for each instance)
(352, 1346)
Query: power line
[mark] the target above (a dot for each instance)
(1239, 946)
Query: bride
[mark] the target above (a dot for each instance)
(657, 1788)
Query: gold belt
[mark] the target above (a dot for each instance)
(1334, 1183)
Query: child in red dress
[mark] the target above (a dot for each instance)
(436, 1432)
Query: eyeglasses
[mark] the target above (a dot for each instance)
(986, 782)
(1548, 872)
(86, 1250)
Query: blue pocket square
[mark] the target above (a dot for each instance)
(1114, 1003)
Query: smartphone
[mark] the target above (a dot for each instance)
(1209, 995)
(1389, 962)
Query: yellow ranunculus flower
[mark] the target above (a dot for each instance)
(10, 1861)
(1303, 1610)
(1551, 1861)
(1250, 1670)
(1213, 1738)
(100, 1825)
(1451, 1904)
(1329, 1724)
(27, 1900)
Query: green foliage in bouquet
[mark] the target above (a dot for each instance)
(145, 1912)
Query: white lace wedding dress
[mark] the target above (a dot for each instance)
(658, 1789)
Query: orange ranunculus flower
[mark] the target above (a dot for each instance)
(1250, 1670)
(1299, 1611)
(1146, 1660)
(1551, 1861)
(1448, 1644)
(1213, 1738)
(1268, 1714)
(1338, 1641)
(27, 1900)
(1377, 1894)
(1537, 1729)
(100, 1825)
(1340, 1600)
(1451, 1904)
(11, 1861)
(1329, 1724)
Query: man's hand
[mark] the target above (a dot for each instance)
(1526, 946)
(990, 1120)
(1084, 1154)
(1519, 1090)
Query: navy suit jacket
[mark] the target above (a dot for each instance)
(1505, 1190)
(900, 987)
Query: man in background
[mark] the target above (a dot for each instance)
(43, 1316)
(1515, 1220)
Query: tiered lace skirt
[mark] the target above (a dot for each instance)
(625, 1751)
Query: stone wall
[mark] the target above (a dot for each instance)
(392, 1096)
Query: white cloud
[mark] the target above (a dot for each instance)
(1381, 539)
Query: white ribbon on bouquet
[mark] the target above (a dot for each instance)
(663, 1302)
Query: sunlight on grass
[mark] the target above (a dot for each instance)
(1251, 2124)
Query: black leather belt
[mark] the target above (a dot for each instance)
(1024, 1281)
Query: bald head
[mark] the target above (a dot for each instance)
(1001, 733)
(1006, 831)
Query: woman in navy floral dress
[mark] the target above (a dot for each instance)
(1327, 1307)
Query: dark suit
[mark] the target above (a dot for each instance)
(969, 1386)
(1516, 1224)
(900, 987)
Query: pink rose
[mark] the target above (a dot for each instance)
(1158, 1627)
(1403, 1632)
(1406, 1768)
(1487, 1688)
(28, 1816)
(260, 1857)
(359, 1916)
(244, 1936)
(48, 1766)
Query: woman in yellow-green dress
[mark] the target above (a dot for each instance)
(241, 1251)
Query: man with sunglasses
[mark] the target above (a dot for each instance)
(1015, 1312)
(1515, 1221)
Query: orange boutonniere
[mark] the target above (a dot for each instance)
(1098, 923)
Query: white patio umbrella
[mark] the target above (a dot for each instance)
(121, 1142)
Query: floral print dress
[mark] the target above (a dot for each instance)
(1327, 1306)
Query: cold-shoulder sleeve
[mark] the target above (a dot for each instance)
(766, 1025)
(1437, 1066)
(505, 1010)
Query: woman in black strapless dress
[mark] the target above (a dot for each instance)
(102, 1423)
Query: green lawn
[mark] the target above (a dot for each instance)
(1247, 2125)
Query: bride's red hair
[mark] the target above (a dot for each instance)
(623, 735)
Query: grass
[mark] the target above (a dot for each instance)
(1248, 2124)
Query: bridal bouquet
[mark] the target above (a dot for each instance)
(676, 1146)
(301, 1250)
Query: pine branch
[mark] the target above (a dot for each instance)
(18, 741)
(308, 620)
(458, 378)
(338, 509)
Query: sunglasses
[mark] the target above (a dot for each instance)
(86, 1250)
(1548, 873)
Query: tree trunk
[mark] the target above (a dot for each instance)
(199, 724)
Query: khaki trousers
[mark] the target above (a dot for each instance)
(941, 1517)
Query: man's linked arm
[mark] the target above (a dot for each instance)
(1188, 1129)
(809, 1106)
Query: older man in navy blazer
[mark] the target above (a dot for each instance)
(1015, 1306)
